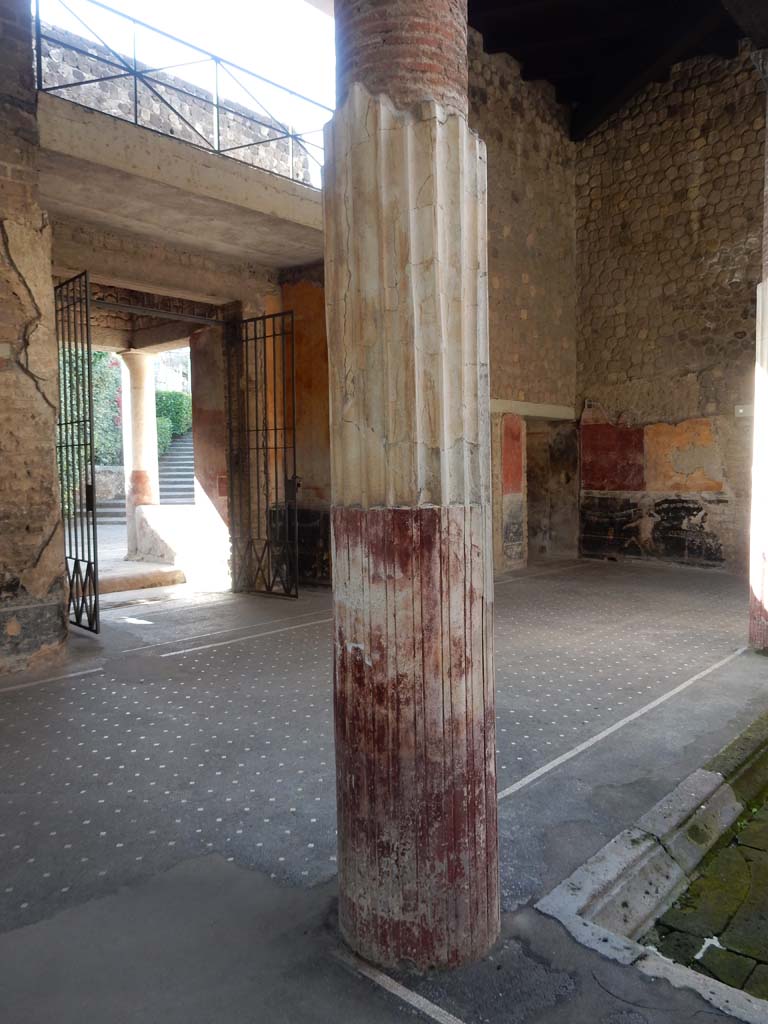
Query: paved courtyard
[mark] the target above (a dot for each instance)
(190, 748)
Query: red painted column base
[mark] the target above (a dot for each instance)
(758, 623)
(415, 734)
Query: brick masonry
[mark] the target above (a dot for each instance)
(32, 592)
(409, 51)
(669, 224)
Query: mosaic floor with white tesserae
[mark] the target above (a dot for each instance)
(220, 738)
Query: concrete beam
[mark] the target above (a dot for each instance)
(163, 337)
(97, 169)
(129, 261)
(538, 410)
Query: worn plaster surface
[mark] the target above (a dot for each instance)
(32, 591)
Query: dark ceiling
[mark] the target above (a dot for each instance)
(598, 53)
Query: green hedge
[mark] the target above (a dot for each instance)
(107, 409)
(176, 407)
(164, 434)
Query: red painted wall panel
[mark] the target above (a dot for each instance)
(512, 455)
(612, 458)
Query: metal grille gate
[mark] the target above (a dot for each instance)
(261, 387)
(74, 446)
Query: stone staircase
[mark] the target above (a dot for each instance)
(177, 472)
(111, 512)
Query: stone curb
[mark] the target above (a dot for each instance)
(613, 898)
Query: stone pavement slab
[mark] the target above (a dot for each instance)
(748, 931)
(712, 900)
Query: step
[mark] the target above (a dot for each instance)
(177, 488)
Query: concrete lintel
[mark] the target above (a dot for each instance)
(126, 260)
(538, 410)
(97, 169)
(162, 337)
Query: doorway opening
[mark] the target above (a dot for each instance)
(201, 436)
(552, 479)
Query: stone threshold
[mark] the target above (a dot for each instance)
(141, 580)
(617, 895)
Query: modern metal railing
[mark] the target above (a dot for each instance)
(109, 61)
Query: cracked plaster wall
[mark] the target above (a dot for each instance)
(669, 199)
(32, 592)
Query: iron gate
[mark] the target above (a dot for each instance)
(74, 446)
(261, 387)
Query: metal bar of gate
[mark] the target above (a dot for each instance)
(75, 449)
(262, 452)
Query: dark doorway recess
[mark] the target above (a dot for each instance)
(261, 395)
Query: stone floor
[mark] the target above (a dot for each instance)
(719, 926)
(118, 575)
(190, 748)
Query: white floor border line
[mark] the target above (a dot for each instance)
(50, 679)
(429, 1009)
(551, 765)
(242, 639)
(217, 632)
(553, 571)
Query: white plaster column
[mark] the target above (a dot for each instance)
(758, 536)
(406, 280)
(142, 486)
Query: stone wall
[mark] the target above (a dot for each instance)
(669, 220)
(110, 482)
(32, 590)
(531, 259)
(167, 104)
(531, 231)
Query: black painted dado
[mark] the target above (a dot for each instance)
(673, 527)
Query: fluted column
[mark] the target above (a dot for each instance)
(405, 259)
(142, 485)
(758, 538)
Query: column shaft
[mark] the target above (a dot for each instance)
(405, 262)
(758, 537)
(142, 475)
